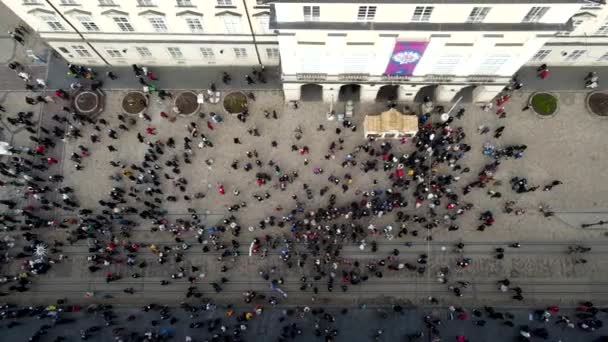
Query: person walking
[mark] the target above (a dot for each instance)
(550, 186)
(16, 37)
(543, 71)
(24, 76)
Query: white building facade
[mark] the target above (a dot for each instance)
(154, 32)
(332, 49)
(585, 45)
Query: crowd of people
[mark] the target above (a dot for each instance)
(423, 176)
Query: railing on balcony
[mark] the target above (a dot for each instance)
(395, 78)
(482, 78)
(439, 78)
(311, 77)
(353, 77)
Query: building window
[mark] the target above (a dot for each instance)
(535, 14)
(232, 23)
(540, 55)
(492, 64)
(207, 53)
(145, 3)
(602, 31)
(240, 53)
(53, 23)
(446, 64)
(68, 2)
(143, 51)
(272, 53)
(264, 23)
(123, 24)
(260, 2)
(81, 51)
(194, 24)
(107, 3)
(478, 14)
(312, 13)
(158, 24)
(113, 53)
(87, 23)
(175, 52)
(32, 2)
(366, 13)
(63, 50)
(422, 14)
(184, 3)
(224, 2)
(576, 54)
(590, 4)
(603, 58)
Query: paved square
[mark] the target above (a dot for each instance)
(566, 147)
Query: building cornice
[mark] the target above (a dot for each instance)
(413, 26)
(151, 12)
(260, 14)
(115, 12)
(228, 13)
(77, 11)
(40, 10)
(189, 12)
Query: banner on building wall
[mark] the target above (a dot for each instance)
(405, 57)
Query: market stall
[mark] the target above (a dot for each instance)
(391, 124)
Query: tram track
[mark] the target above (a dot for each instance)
(384, 249)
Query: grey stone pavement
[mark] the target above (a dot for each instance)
(170, 77)
(357, 325)
(541, 266)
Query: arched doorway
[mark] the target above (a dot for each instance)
(387, 93)
(349, 92)
(424, 92)
(311, 92)
(466, 93)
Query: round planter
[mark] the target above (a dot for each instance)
(186, 103)
(597, 104)
(89, 102)
(235, 102)
(544, 104)
(134, 103)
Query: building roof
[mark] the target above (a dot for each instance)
(391, 120)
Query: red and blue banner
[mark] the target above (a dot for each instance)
(405, 57)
